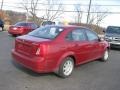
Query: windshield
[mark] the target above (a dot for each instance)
(46, 32)
(113, 30)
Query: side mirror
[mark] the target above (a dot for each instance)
(101, 39)
(104, 30)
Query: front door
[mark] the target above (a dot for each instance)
(93, 40)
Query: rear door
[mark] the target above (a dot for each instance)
(80, 45)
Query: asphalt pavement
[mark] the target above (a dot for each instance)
(94, 75)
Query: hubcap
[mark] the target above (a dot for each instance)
(106, 55)
(67, 67)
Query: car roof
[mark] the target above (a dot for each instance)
(25, 22)
(66, 26)
(113, 26)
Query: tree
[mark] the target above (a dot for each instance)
(78, 12)
(53, 10)
(14, 17)
(2, 4)
(30, 6)
(97, 15)
(100, 17)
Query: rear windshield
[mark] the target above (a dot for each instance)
(113, 30)
(22, 24)
(46, 32)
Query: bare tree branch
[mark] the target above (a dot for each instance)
(100, 17)
(97, 17)
(57, 14)
(78, 12)
(52, 15)
(30, 8)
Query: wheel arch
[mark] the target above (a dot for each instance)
(73, 57)
(70, 54)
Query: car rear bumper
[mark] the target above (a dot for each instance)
(35, 64)
(15, 32)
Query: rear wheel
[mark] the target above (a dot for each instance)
(14, 35)
(1, 29)
(66, 67)
(105, 56)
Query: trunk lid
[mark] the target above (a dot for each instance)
(28, 45)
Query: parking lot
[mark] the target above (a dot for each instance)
(91, 76)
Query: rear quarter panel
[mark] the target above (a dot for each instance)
(57, 52)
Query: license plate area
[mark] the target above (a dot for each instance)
(23, 48)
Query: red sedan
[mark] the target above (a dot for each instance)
(22, 28)
(59, 48)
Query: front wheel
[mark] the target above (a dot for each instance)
(66, 67)
(105, 56)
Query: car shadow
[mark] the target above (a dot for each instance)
(115, 49)
(30, 72)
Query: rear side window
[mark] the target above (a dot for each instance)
(76, 35)
(46, 32)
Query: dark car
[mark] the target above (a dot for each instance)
(59, 48)
(22, 28)
(1, 25)
(48, 23)
(112, 35)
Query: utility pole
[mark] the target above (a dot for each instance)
(27, 13)
(1, 13)
(1, 5)
(27, 16)
(88, 15)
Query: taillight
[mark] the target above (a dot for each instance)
(38, 52)
(21, 28)
(41, 50)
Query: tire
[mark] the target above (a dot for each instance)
(14, 35)
(105, 56)
(66, 67)
(1, 29)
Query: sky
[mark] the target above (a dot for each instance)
(110, 19)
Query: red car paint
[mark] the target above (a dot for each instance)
(45, 55)
(22, 28)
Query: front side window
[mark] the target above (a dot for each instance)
(76, 35)
(46, 32)
(91, 35)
